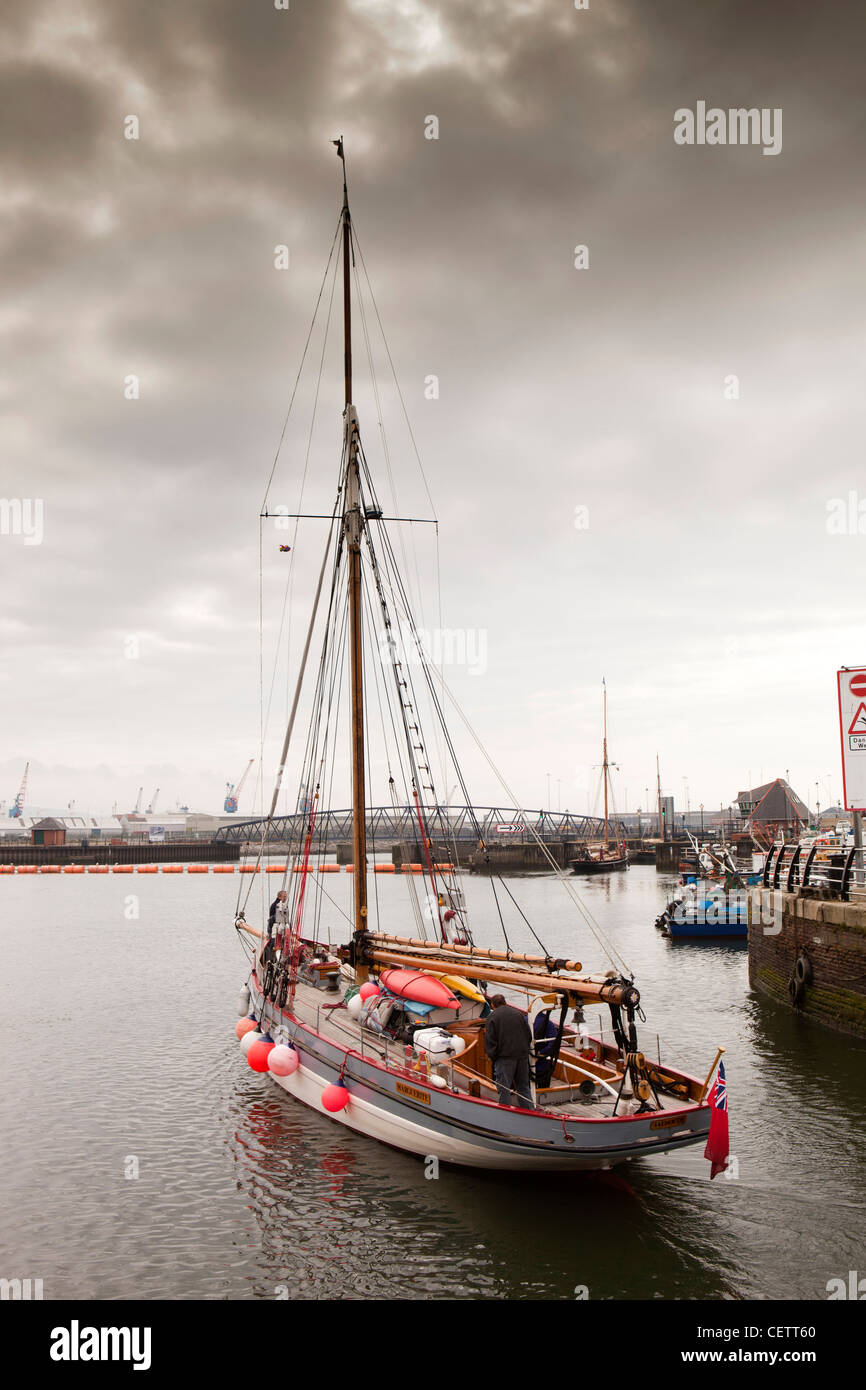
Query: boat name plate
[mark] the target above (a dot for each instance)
(413, 1092)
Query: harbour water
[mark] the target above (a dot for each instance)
(141, 1158)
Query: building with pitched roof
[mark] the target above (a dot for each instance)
(773, 811)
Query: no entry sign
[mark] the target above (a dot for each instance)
(851, 681)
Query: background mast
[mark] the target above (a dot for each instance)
(604, 766)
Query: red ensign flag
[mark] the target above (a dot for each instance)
(717, 1139)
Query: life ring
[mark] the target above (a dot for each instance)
(803, 969)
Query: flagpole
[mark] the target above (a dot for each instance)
(706, 1084)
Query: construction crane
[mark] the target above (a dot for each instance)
(448, 799)
(137, 810)
(17, 807)
(233, 791)
(151, 810)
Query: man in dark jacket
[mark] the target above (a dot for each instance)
(279, 902)
(507, 1041)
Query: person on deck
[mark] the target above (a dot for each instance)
(278, 902)
(546, 1033)
(507, 1042)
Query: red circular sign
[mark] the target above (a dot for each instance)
(857, 684)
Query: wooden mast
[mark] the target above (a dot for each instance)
(604, 766)
(353, 525)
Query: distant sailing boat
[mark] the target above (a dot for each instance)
(607, 859)
(385, 1033)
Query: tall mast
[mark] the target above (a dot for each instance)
(353, 525)
(604, 766)
(659, 791)
(347, 298)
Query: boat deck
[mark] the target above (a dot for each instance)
(471, 1073)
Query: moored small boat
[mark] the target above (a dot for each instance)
(601, 863)
(704, 909)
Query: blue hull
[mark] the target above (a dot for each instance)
(696, 930)
(710, 913)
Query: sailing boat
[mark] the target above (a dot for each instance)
(607, 858)
(386, 1033)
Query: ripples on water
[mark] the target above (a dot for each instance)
(121, 1046)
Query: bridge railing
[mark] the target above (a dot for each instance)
(463, 825)
(839, 870)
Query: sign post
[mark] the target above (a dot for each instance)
(851, 682)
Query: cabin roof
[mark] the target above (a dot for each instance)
(774, 801)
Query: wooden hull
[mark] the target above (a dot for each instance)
(398, 1106)
(598, 866)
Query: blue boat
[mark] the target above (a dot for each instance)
(703, 911)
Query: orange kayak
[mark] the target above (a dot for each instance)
(422, 988)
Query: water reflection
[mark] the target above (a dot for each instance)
(245, 1193)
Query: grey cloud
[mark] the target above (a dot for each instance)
(557, 387)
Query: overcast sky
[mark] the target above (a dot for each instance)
(706, 587)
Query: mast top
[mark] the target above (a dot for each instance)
(342, 157)
(347, 295)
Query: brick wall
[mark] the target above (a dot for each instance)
(833, 937)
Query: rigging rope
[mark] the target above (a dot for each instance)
(590, 921)
(389, 584)
(291, 568)
(264, 505)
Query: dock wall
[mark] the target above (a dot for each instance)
(830, 936)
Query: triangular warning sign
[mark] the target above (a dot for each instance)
(859, 720)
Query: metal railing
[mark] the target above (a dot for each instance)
(462, 825)
(838, 871)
